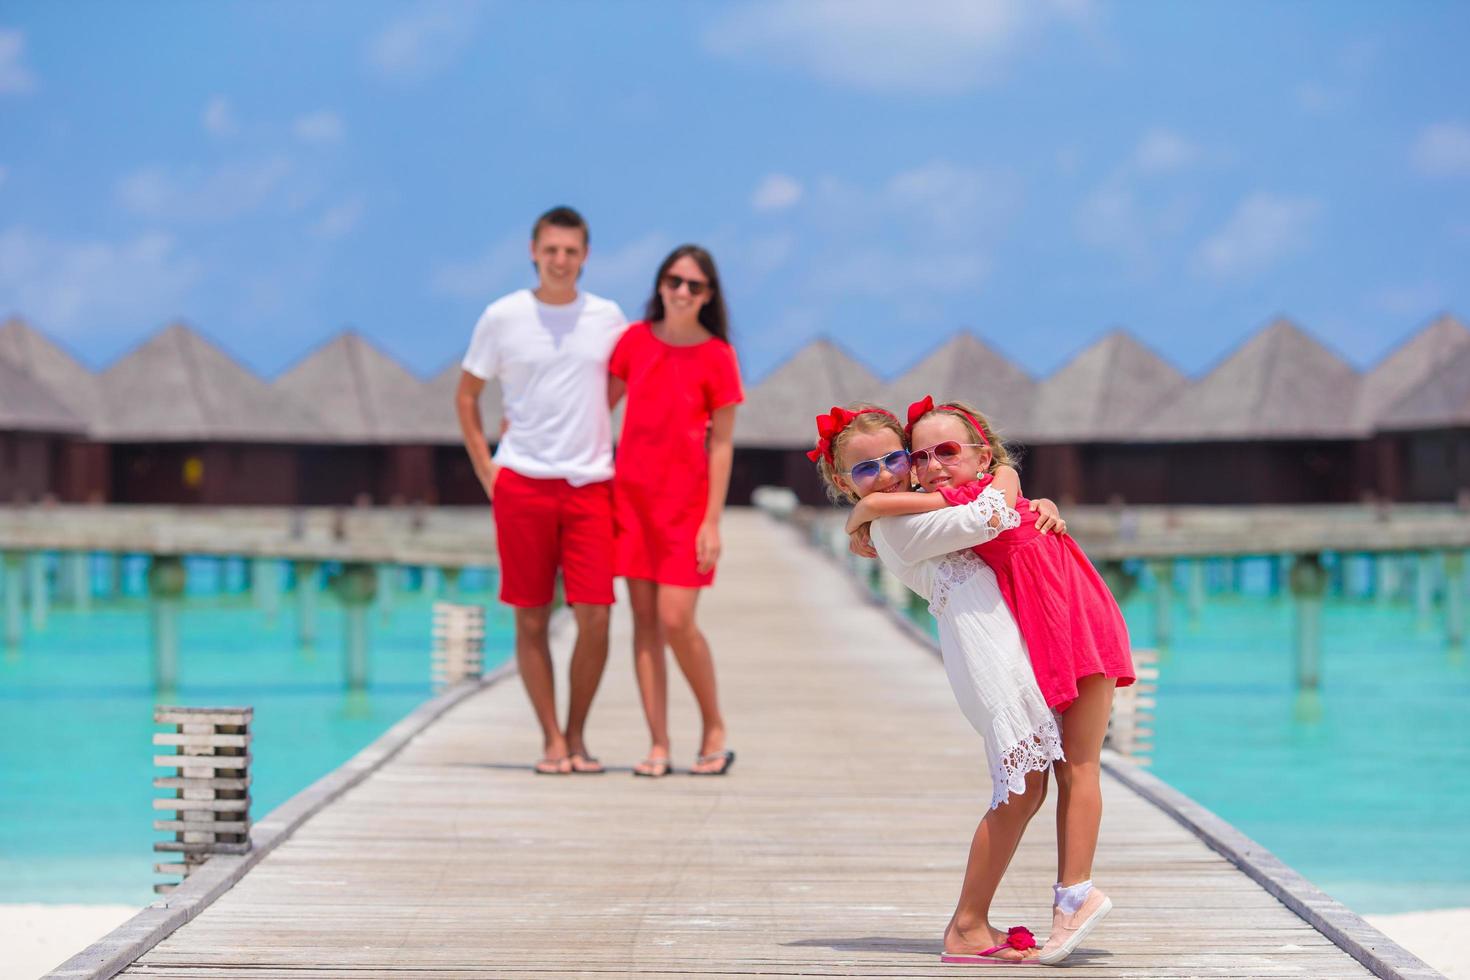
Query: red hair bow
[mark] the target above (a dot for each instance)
(917, 411)
(926, 405)
(828, 427)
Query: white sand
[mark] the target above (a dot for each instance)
(1440, 938)
(39, 938)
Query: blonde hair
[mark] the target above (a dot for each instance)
(873, 419)
(999, 454)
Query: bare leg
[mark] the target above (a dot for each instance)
(533, 658)
(1079, 779)
(589, 657)
(991, 851)
(676, 616)
(650, 666)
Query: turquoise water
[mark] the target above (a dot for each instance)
(76, 718)
(1363, 788)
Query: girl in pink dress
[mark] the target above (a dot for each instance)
(1074, 633)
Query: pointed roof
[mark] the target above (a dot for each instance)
(441, 391)
(778, 411)
(1104, 393)
(1279, 384)
(362, 395)
(967, 369)
(1407, 366)
(1439, 401)
(180, 387)
(26, 405)
(55, 369)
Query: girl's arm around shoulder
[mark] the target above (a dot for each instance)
(1008, 482)
(876, 505)
(916, 537)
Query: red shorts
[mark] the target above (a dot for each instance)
(543, 525)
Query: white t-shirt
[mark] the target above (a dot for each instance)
(552, 366)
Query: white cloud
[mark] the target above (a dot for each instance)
(339, 220)
(1163, 151)
(893, 274)
(219, 118)
(624, 273)
(484, 276)
(1412, 301)
(430, 36)
(79, 283)
(230, 191)
(1443, 150)
(1263, 230)
(319, 128)
(15, 77)
(936, 203)
(776, 193)
(937, 47)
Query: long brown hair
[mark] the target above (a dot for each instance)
(712, 315)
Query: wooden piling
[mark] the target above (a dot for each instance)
(459, 644)
(209, 791)
(1130, 727)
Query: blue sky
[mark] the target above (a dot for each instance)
(881, 173)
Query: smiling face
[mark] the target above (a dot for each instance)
(559, 253)
(678, 286)
(940, 427)
(858, 446)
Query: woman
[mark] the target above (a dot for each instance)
(682, 381)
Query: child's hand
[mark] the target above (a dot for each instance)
(860, 542)
(861, 515)
(1049, 518)
(707, 546)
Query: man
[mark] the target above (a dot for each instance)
(549, 481)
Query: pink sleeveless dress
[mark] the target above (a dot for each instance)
(1072, 626)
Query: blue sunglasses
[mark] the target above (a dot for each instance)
(896, 462)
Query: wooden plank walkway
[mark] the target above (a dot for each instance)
(834, 848)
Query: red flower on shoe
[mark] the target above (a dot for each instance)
(1020, 938)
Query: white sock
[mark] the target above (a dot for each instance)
(1069, 898)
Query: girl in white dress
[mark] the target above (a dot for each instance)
(861, 451)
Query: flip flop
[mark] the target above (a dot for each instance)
(1018, 938)
(662, 767)
(554, 767)
(728, 760)
(585, 765)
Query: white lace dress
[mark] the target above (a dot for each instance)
(984, 655)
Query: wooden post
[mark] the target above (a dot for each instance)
(387, 585)
(14, 597)
(1130, 726)
(355, 587)
(166, 581)
(1163, 573)
(450, 575)
(79, 564)
(1386, 577)
(1454, 597)
(307, 585)
(1119, 580)
(265, 585)
(1308, 583)
(1424, 589)
(1196, 589)
(40, 594)
(459, 644)
(209, 790)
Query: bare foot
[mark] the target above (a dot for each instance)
(711, 751)
(554, 767)
(973, 941)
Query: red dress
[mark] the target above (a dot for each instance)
(1072, 626)
(661, 479)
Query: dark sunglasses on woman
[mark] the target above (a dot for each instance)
(945, 452)
(896, 462)
(697, 287)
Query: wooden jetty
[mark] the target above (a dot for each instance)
(834, 847)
